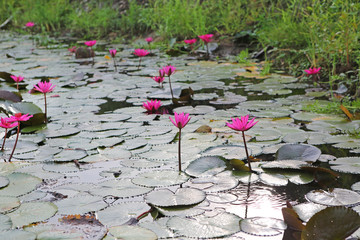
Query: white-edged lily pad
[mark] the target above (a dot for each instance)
(181, 197)
(32, 212)
(346, 164)
(221, 225)
(127, 232)
(261, 226)
(160, 178)
(214, 183)
(307, 210)
(334, 197)
(222, 197)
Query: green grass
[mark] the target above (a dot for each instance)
(333, 107)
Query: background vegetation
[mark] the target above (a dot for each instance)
(297, 34)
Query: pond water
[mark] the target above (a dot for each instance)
(101, 161)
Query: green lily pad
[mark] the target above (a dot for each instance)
(181, 197)
(307, 210)
(17, 234)
(5, 222)
(68, 155)
(273, 179)
(221, 225)
(214, 183)
(198, 110)
(20, 184)
(32, 109)
(123, 188)
(334, 197)
(130, 233)
(80, 204)
(222, 197)
(8, 203)
(261, 226)
(32, 212)
(119, 214)
(4, 181)
(228, 152)
(346, 164)
(301, 152)
(158, 226)
(284, 164)
(329, 224)
(184, 211)
(205, 166)
(160, 178)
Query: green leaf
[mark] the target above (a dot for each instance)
(32, 212)
(205, 166)
(181, 197)
(20, 184)
(130, 233)
(332, 223)
(8, 203)
(5, 222)
(17, 234)
(80, 204)
(160, 178)
(334, 197)
(4, 181)
(301, 152)
(261, 226)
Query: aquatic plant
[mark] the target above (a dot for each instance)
(180, 122)
(190, 42)
(18, 117)
(140, 53)
(44, 87)
(206, 39)
(17, 79)
(243, 124)
(149, 40)
(72, 49)
(91, 44)
(168, 70)
(113, 53)
(152, 106)
(158, 79)
(5, 124)
(29, 24)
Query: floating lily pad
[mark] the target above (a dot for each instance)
(228, 152)
(198, 110)
(32, 212)
(261, 226)
(17, 234)
(180, 211)
(20, 184)
(273, 179)
(205, 166)
(8, 203)
(284, 164)
(4, 181)
(221, 225)
(119, 214)
(214, 184)
(130, 233)
(5, 222)
(80, 204)
(141, 163)
(307, 210)
(158, 226)
(123, 188)
(181, 197)
(68, 155)
(301, 152)
(222, 197)
(63, 132)
(160, 178)
(334, 197)
(346, 164)
(329, 224)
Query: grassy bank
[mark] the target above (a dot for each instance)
(297, 34)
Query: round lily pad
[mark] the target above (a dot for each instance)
(119, 214)
(334, 197)
(307, 210)
(301, 152)
(214, 183)
(80, 204)
(205, 166)
(160, 178)
(32, 212)
(5, 222)
(68, 155)
(261, 226)
(130, 233)
(4, 181)
(222, 197)
(181, 197)
(20, 184)
(8, 203)
(228, 152)
(221, 225)
(17, 234)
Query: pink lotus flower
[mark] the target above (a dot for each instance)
(72, 49)
(158, 79)
(4, 123)
(206, 38)
(140, 52)
(29, 24)
(90, 43)
(18, 117)
(181, 120)
(168, 70)
(112, 52)
(152, 106)
(312, 71)
(243, 125)
(190, 41)
(17, 79)
(161, 73)
(44, 87)
(149, 39)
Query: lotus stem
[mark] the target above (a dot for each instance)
(172, 94)
(2, 147)
(247, 154)
(115, 65)
(46, 121)
(139, 63)
(16, 140)
(179, 152)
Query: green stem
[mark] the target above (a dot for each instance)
(17, 137)
(247, 154)
(115, 65)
